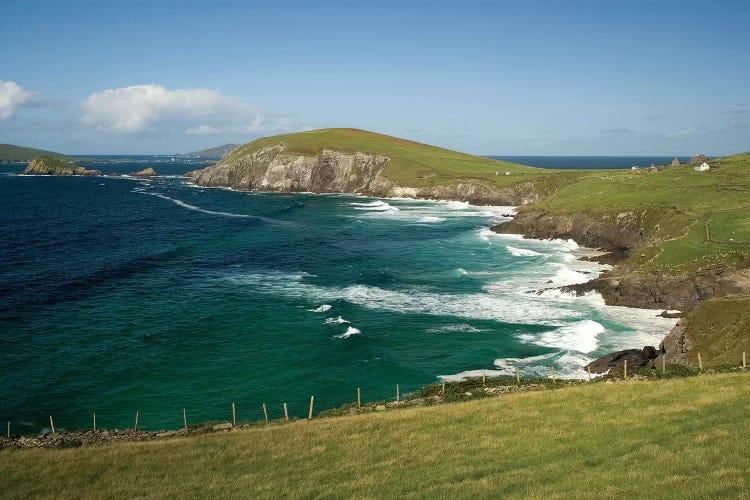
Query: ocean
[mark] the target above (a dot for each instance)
(125, 295)
(591, 162)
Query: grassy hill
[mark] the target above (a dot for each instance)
(10, 152)
(674, 438)
(690, 219)
(216, 152)
(412, 163)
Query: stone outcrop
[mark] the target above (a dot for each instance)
(697, 160)
(676, 162)
(614, 363)
(146, 172)
(272, 168)
(46, 165)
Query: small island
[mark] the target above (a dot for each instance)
(46, 165)
(146, 172)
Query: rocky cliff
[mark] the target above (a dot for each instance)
(273, 168)
(46, 165)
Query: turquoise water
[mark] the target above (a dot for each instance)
(123, 295)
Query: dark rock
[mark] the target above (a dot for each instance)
(614, 362)
(697, 160)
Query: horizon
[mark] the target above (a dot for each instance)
(511, 78)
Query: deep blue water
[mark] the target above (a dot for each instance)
(120, 295)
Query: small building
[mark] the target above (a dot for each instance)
(702, 167)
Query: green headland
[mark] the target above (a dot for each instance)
(12, 153)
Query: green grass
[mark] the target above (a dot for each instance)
(720, 332)
(677, 438)
(10, 152)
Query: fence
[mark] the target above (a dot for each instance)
(255, 412)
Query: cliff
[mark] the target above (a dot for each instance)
(361, 162)
(45, 165)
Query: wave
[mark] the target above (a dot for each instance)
(430, 218)
(321, 309)
(521, 252)
(581, 337)
(198, 209)
(348, 333)
(335, 321)
(380, 206)
(463, 327)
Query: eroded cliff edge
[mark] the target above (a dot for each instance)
(274, 168)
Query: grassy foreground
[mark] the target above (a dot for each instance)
(676, 438)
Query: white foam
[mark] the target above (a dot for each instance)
(462, 327)
(581, 336)
(321, 309)
(193, 207)
(430, 218)
(521, 252)
(379, 206)
(335, 321)
(348, 333)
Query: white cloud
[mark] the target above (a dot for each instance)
(139, 108)
(678, 133)
(202, 130)
(12, 96)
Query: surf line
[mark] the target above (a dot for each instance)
(211, 212)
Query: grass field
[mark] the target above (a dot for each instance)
(9, 152)
(720, 331)
(675, 438)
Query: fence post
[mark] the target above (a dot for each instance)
(625, 368)
(553, 373)
(744, 360)
(443, 389)
(359, 399)
(265, 412)
(52, 424)
(136, 421)
(664, 363)
(588, 369)
(484, 377)
(184, 418)
(518, 376)
(700, 362)
(94, 421)
(398, 393)
(286, 413)
(234, 416)
(8, 429)
(312, 401)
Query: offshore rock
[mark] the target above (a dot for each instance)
(46, 165)
(614, 363)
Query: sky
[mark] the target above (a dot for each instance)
(526, 77)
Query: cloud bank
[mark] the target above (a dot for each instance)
(13, 96)
(140, 108)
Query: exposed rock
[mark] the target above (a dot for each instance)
(46, 165)
(146, 172)
(380, 408)
(676, 162)
(272, 168)
(697, 160)
(222, 427)
(614, 362)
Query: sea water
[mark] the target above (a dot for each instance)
(120, 295)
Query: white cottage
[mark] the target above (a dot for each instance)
(702, 167)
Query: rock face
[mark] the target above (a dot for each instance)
(697, 160)
(676, 162)
(272, 168)
(614, 363)
(46, 165)
(146, 172)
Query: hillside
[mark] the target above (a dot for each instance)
(357, 161)
(217, 152)
(675, 438)
(12, 153)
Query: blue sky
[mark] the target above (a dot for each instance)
(508, 78)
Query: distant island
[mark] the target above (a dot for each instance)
(46, 165)
(10, 153)
(217, 152)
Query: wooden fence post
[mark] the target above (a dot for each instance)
(359, 399)
(286, 413)
(442, 391)
(625, 368)
(553, 373)
(312, 401)
(184, 418)
(744, 360)
(700, 362)
(398, 393)
(94, 421)
(234, 416)
(664, 363)
(9, 429)
(52, 424)
(265, 412)
(137, 413)
(518, 376)
(484, 377)
(588, 369)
